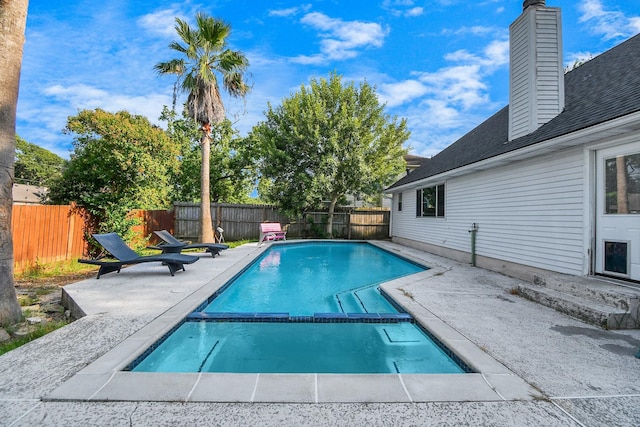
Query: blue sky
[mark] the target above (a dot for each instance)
(441, 64)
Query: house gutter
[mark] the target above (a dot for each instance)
(607, 129)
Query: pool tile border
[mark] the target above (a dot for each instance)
(105, 379)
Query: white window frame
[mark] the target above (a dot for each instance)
(439, 194)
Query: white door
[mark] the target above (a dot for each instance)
(617, 242)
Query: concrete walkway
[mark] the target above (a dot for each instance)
(582, 375)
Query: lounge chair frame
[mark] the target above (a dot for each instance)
(124, 255)
(173, 245)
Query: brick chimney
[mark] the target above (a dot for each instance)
(536, 77)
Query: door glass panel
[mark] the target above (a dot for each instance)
(622, 184)
(616, 257)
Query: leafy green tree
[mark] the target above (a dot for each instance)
(13, 20)
(120, 162)
(233, 178)
(326, 141)
(204, 57)
(36, 165)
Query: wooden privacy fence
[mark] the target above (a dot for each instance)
(45, 234)
(240, 222)
(151, 221)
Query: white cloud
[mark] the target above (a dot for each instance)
(476, 30)
(44, 132)
(442, 105)
(66, 101)
(414, 11)
(435, 125)
(403, 8)
(391, 3)
(341, 39)
(83, 96)
(284, 12)
(442, 113)
(455, 98)
(394, 94)
(80, 94)
(610, 24)
(317, 59)
(460, 86)
(290, 11)
(497, 53)
(160, 23)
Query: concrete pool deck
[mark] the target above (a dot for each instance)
(537, 366)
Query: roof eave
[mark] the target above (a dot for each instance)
(610, 129)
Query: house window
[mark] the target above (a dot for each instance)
(430, 201)
(622, 183)
(399, 202)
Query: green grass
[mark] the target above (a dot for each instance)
(57, 269)
(44, 278)
(27, 300)
(72, 267)
(36, 282)
(238, 243)
(36, 331)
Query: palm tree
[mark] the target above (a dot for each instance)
(205, 56)
(13, 20)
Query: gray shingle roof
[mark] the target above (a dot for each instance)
(602, 89)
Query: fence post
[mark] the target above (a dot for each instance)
(72, 229)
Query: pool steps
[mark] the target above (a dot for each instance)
(603, 302)
(315, 318)
(366, 298)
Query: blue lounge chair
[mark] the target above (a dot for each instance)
(171, 244)
(124, 255)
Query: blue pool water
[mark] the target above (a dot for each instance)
(308, 278)
(304, 308)
(363, 348)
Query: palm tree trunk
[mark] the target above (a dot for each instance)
(621, 178)
(13, 20)
(206, 227)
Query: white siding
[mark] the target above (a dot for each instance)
(549, 72)
(520, 65)
(536, 78)
(529, 213)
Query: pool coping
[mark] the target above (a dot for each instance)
(105, 380)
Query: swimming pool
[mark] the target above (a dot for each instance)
(307, 278)
(169, 302)
(300, 308)
(276, 347)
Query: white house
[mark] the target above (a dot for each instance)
(550, 182)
